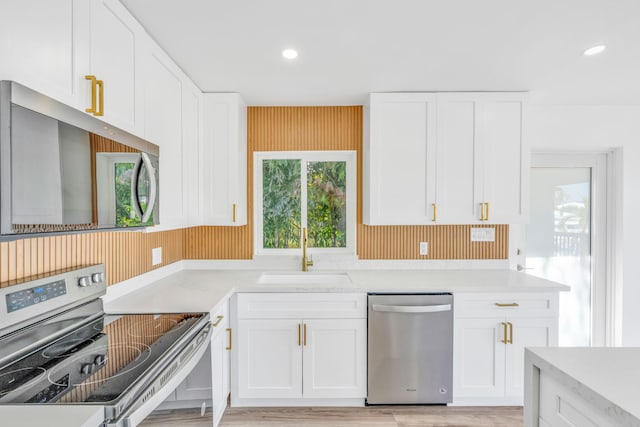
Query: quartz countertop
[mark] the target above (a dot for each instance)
(205, 290)
(607, 377)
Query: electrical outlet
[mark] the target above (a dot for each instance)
(424, 248)
(156, 256)
(483, 234)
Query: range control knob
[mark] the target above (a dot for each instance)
(97, 277)
(84, 281)
(86, 368)
(100, 360)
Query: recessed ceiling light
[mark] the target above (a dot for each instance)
(594, 50)
(290, 53)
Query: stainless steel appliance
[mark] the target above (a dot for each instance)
(64, 170)
(58, 347)
(410, 348)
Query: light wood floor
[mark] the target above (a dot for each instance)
(375, 416)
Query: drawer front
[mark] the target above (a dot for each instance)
(301, 305)
(506, 305)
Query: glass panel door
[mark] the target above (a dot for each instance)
(558, 238)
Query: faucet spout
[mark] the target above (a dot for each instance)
(306, 263)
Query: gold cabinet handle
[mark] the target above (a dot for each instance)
(304, 340)
(100, 111)
(299, 335)
(92, 110)
(230, 339)
(510, 304)
(481, 211)
(504, 333)
(435, 212)
(234, 212)
(510, 340)
(218, 322)
(486, 212)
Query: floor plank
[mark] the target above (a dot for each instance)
(375, 416)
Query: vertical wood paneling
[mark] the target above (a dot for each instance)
(128, 254)
(333, 128)
(125, 254)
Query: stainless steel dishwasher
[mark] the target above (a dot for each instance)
(410, 348)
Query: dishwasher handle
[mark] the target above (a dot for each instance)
(411, 308)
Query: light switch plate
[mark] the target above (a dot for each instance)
(424, 248)
(483, 234)
(156, 256)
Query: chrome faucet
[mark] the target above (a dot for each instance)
(305, 262)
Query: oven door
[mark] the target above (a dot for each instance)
(168, 379)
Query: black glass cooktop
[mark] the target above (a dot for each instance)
(97, 362)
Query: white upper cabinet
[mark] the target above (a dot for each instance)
(400, 163)
(163, 90)
(116, 42)
(445, 158)
(224, 159)
(37, 46)
(481, 158)
(191, 103)
(52, 46)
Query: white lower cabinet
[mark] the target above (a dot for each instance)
(293, 359)
(490, 334)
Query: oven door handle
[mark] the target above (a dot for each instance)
(161, 388)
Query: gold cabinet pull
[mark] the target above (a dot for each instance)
(218, 322)
(510, 340)
(92, 110)
(486, 212)
(230, 339)
(234, 212)
(510, 304)
(299, 335)
(435, 212)
(304, 340)
(504, 333)
(481, 211)
(100, 111)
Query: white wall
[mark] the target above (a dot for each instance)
(572, 128)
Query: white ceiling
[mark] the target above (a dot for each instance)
(349, 48)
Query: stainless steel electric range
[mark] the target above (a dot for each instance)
(58, 347)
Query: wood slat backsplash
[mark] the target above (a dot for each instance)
(128, 254)
(334, 128)
(125, 254)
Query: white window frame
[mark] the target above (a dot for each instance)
(305, 156)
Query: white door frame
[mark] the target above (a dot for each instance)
(605, 312)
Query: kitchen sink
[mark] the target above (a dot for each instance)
(309, 278)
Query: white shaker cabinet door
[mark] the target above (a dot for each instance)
(526, 332)
(478, 358)
(399, 159)
(459, 178)
(335, 358)
(116, 45)
(505, 160)
(220, 373)
(269, 359)
(224, 160)
(163, 126)
(38, 46)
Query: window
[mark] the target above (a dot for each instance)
(307, 189)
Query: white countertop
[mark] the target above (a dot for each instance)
(51, 415)
(609, 376)
(204, 290)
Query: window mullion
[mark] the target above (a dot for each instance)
(303, 193)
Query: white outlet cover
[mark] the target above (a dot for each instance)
(156, 256)
(424, 248)
(483, 234)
